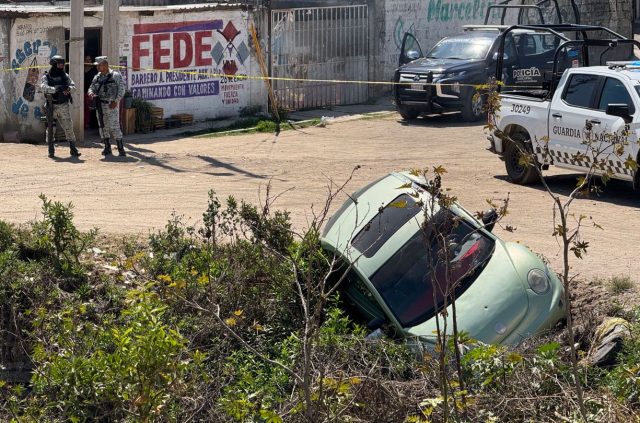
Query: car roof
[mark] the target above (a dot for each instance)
(631, 74)
(470, 35)
(350, 220)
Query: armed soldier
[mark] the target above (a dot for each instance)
(107, 89)
(57, 87)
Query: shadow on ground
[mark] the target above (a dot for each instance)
(616, 192)
(445, 120)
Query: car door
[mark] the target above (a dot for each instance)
(609, 130)
(570, 109)
(410, 49)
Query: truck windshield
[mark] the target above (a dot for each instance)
(416, 279)
(463, 48)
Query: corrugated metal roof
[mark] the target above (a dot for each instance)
(24, 10)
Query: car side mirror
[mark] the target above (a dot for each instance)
(412, 55)
(489, 219)
(620, 110)
(505, 57)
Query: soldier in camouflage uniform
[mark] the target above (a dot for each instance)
(107, 88)
(57, 86)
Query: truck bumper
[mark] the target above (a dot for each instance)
(495, 144)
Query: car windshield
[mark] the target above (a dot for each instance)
(461, 48)
(446, 256)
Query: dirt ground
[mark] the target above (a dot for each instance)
(137, 194)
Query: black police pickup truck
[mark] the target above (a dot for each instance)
(443, 79)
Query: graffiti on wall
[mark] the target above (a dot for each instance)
(466, 11)
(30, 59)
(186, 59)
(429, 21)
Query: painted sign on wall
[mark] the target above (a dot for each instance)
(171, 60)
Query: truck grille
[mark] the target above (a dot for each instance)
(422, 77)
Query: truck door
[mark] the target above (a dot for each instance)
(608, 130)
(410, 49)
(568, 114)
(584, 101)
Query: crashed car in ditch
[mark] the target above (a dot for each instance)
(394, 280)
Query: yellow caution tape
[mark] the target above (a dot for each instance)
(277, 78)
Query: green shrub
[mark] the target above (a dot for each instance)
(619, 284)
(624, 379)
(7, 236)
(130, 366)
(57, 235)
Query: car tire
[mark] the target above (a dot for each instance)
(519, 173)
(408, 113)
(473, 106)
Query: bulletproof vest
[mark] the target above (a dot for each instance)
(107, 87)
(56, 81)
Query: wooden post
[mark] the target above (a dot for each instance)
(76, 66)
(110, 33)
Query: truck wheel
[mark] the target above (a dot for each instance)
(472, 108)
(408, 113)
(518, 172)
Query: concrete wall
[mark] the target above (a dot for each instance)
(194, 45)
(31, 43)
(6, 84)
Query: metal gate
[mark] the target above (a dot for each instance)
(319, 43)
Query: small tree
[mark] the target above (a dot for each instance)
(598, 149)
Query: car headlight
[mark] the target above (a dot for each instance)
(538, 281)
(453, 74)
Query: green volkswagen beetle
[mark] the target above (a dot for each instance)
(396, 277)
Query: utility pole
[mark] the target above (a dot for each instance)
(76, 65)
(110, 34)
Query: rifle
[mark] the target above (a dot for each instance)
(49, 113)
(98, 105)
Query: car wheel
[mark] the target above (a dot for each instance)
(518, 172)
(408, 113)
(473, 107)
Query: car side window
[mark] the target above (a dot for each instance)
(580, 89)
(614, 92)
(510, 48)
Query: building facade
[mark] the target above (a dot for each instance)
(173, 56)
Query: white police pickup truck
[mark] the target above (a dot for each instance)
(603, 98)
(598, 102)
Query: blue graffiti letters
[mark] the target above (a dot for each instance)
(20, 107)
(28, 49)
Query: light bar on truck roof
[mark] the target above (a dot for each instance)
(485, 27)
(626, 64)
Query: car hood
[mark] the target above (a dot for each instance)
(491, 308)
(441, 65)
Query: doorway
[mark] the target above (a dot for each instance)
(92, 49)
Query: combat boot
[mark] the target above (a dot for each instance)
(107, 147)
(52, 151)
(74, 150)
(120, 145)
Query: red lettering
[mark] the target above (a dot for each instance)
(182, 44)
(201, 47)
(138, 51)
(159, 52)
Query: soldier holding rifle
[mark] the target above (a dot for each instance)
(57, 87)
(106, 90)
